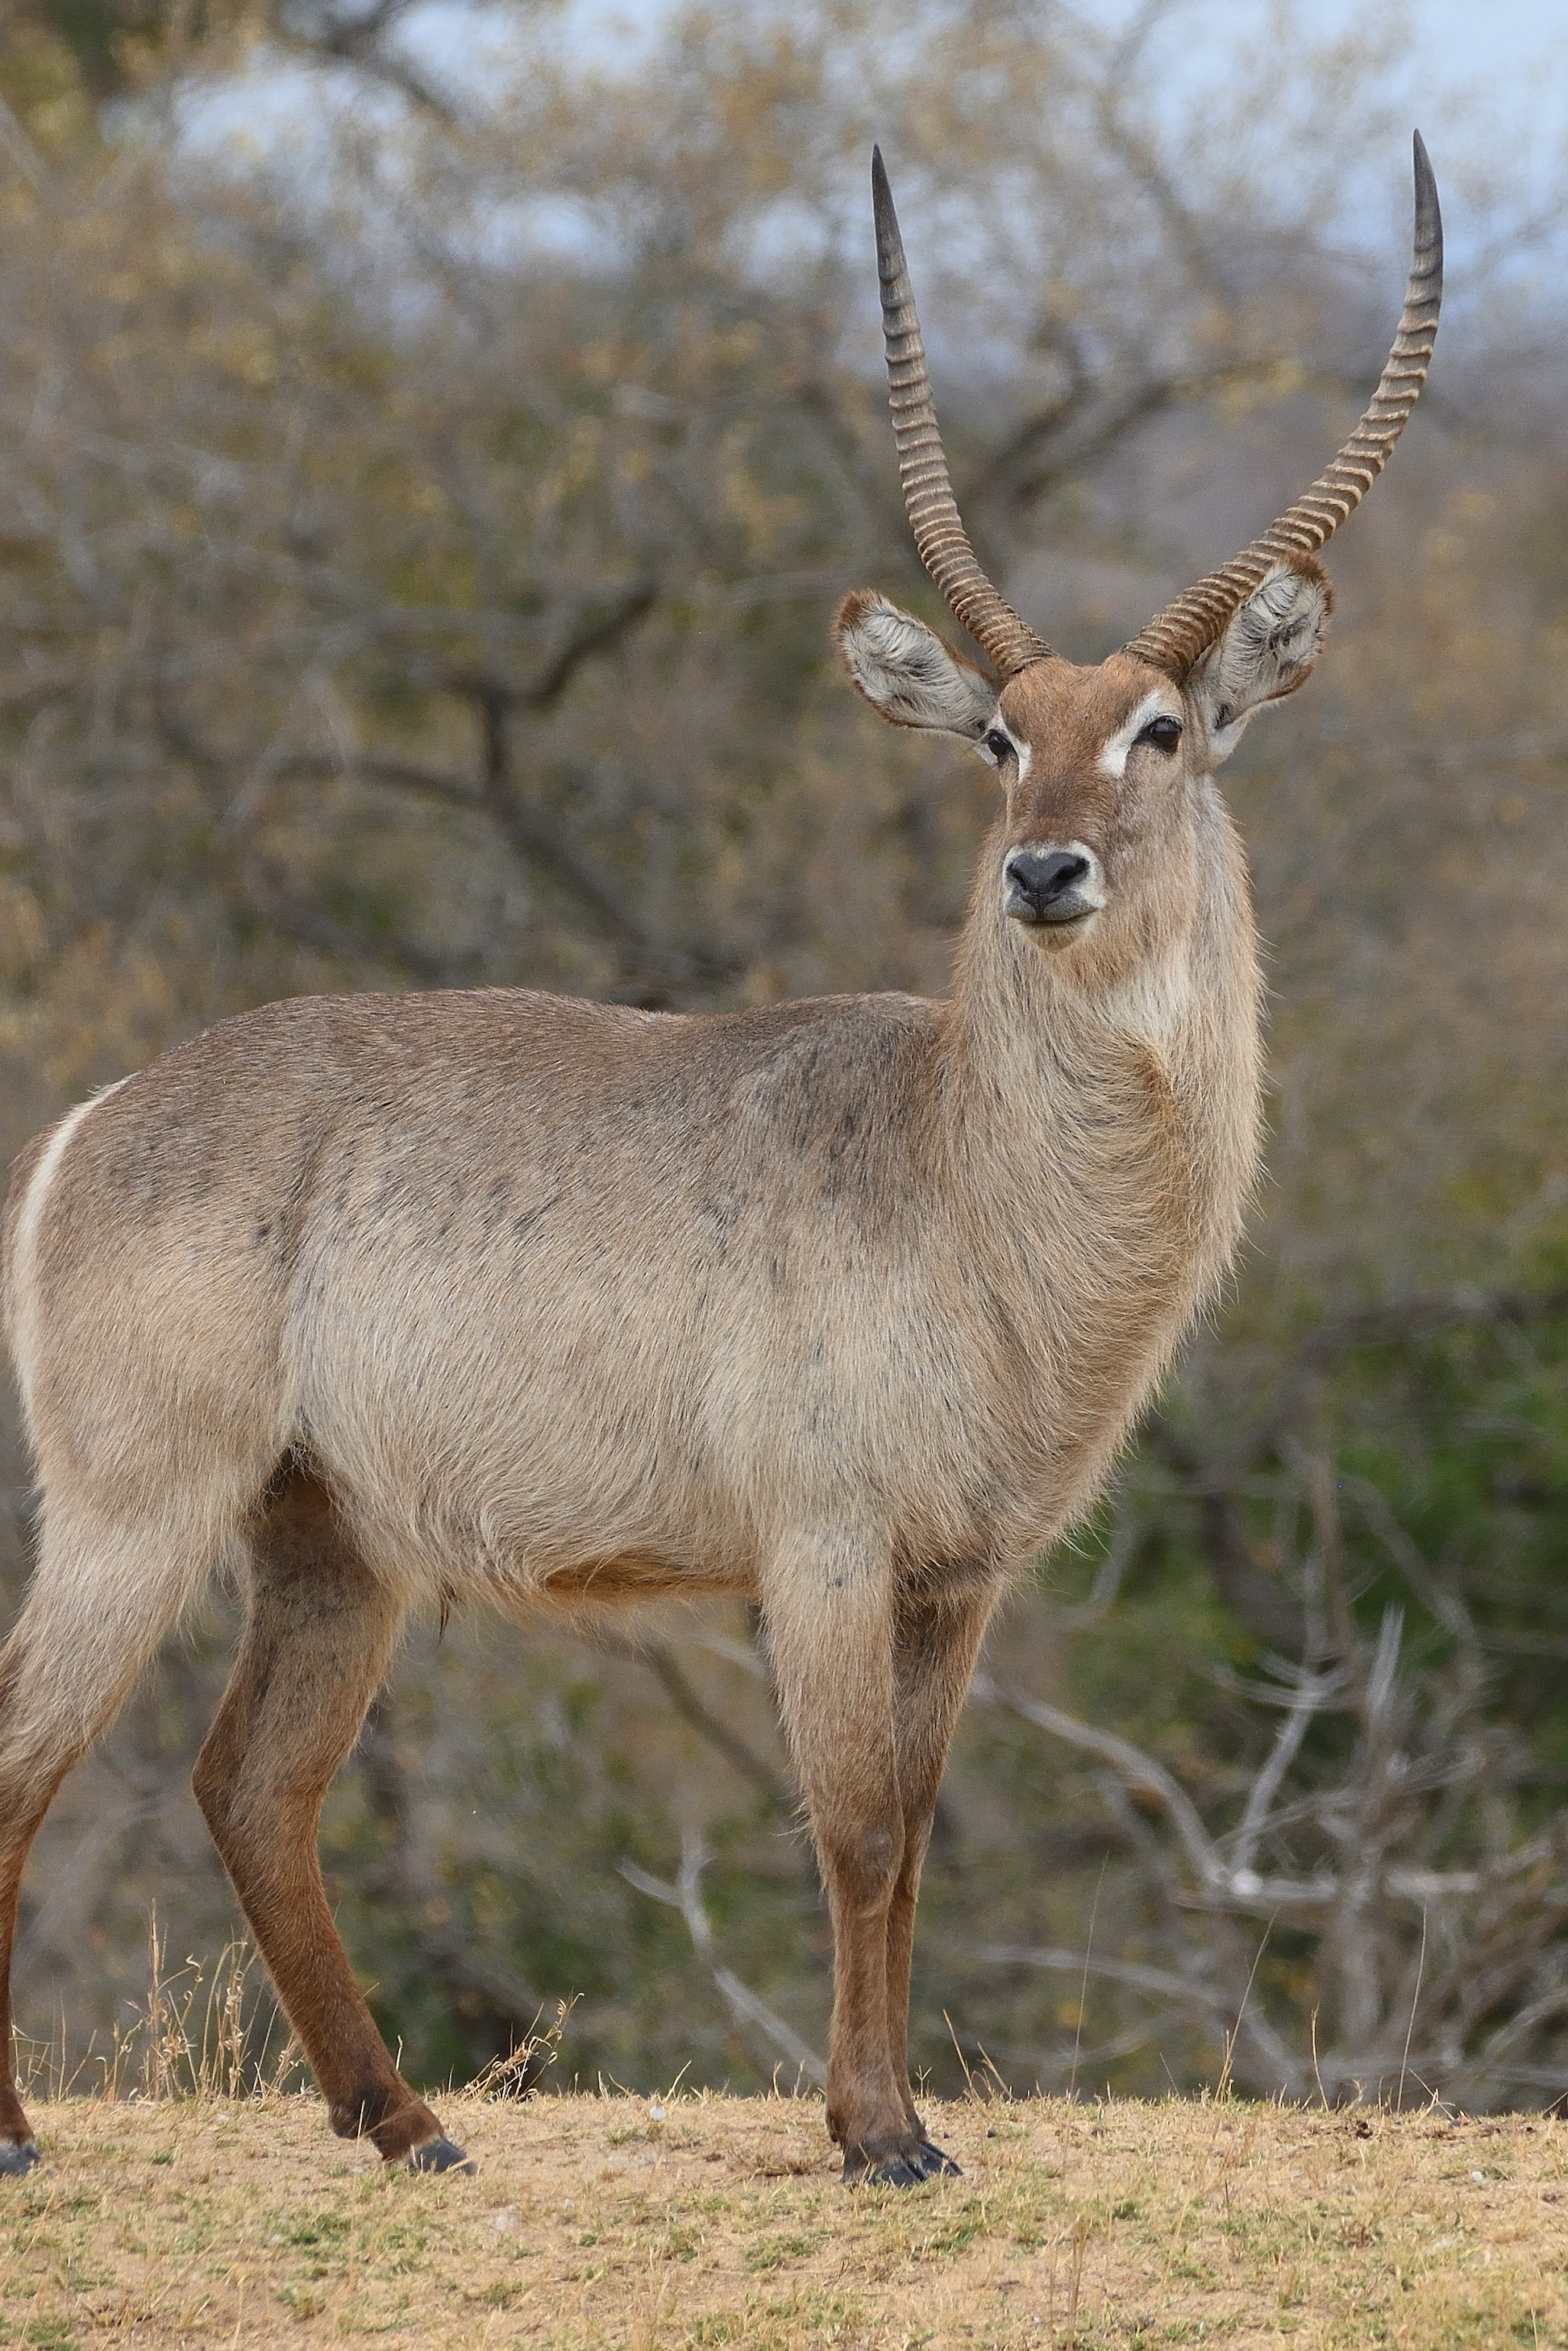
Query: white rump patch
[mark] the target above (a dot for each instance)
(1162, 703)
(906, 670)
(23, 1300)
(1267, 650)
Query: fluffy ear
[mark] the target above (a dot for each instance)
(1268, 649)
(906, 670)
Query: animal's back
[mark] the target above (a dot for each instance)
(526, 1276)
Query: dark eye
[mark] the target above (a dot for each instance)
(998, 744)
(1164, 733)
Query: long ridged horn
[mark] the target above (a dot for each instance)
(939, 536)
(1182, 633)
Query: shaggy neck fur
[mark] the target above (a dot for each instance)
(1100, 1109)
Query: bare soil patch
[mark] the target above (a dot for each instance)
(710, 2221)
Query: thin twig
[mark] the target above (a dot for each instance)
(1410, 2028)
(1083, 1986)
(685, 1895)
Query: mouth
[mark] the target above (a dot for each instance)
(1062, 914)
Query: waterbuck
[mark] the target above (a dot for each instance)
(844, 1306)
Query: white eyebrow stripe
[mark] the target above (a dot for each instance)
(1157, 703)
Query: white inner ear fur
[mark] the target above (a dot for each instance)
(1165, 702)
(906, 670)
(1267, 650)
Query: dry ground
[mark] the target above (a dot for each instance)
(605, 2222)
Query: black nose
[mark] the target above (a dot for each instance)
(1039, 887)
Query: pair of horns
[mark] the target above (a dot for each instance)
(1177, 638)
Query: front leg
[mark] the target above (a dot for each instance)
(937, 1631)
(828, 1607)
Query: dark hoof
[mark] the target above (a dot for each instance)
(440, 2155)
(924, 2162)
(895, 2171)
(16, 2161)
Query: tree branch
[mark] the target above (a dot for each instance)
(595, 632)
(685, 1895)
(690, 1707)
(1137, 1772)
(534, 836)
(356, 36)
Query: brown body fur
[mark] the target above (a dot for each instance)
(843, 1305)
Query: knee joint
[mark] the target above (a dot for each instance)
(866, 1855)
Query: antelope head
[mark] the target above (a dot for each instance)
(1106, 769)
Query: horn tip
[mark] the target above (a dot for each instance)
(1429, 215)
(882, 212)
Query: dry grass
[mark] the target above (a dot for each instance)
(605, 2221)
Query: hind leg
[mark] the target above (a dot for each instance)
(27, 1785)
(320, 1630)
(104, 1591)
